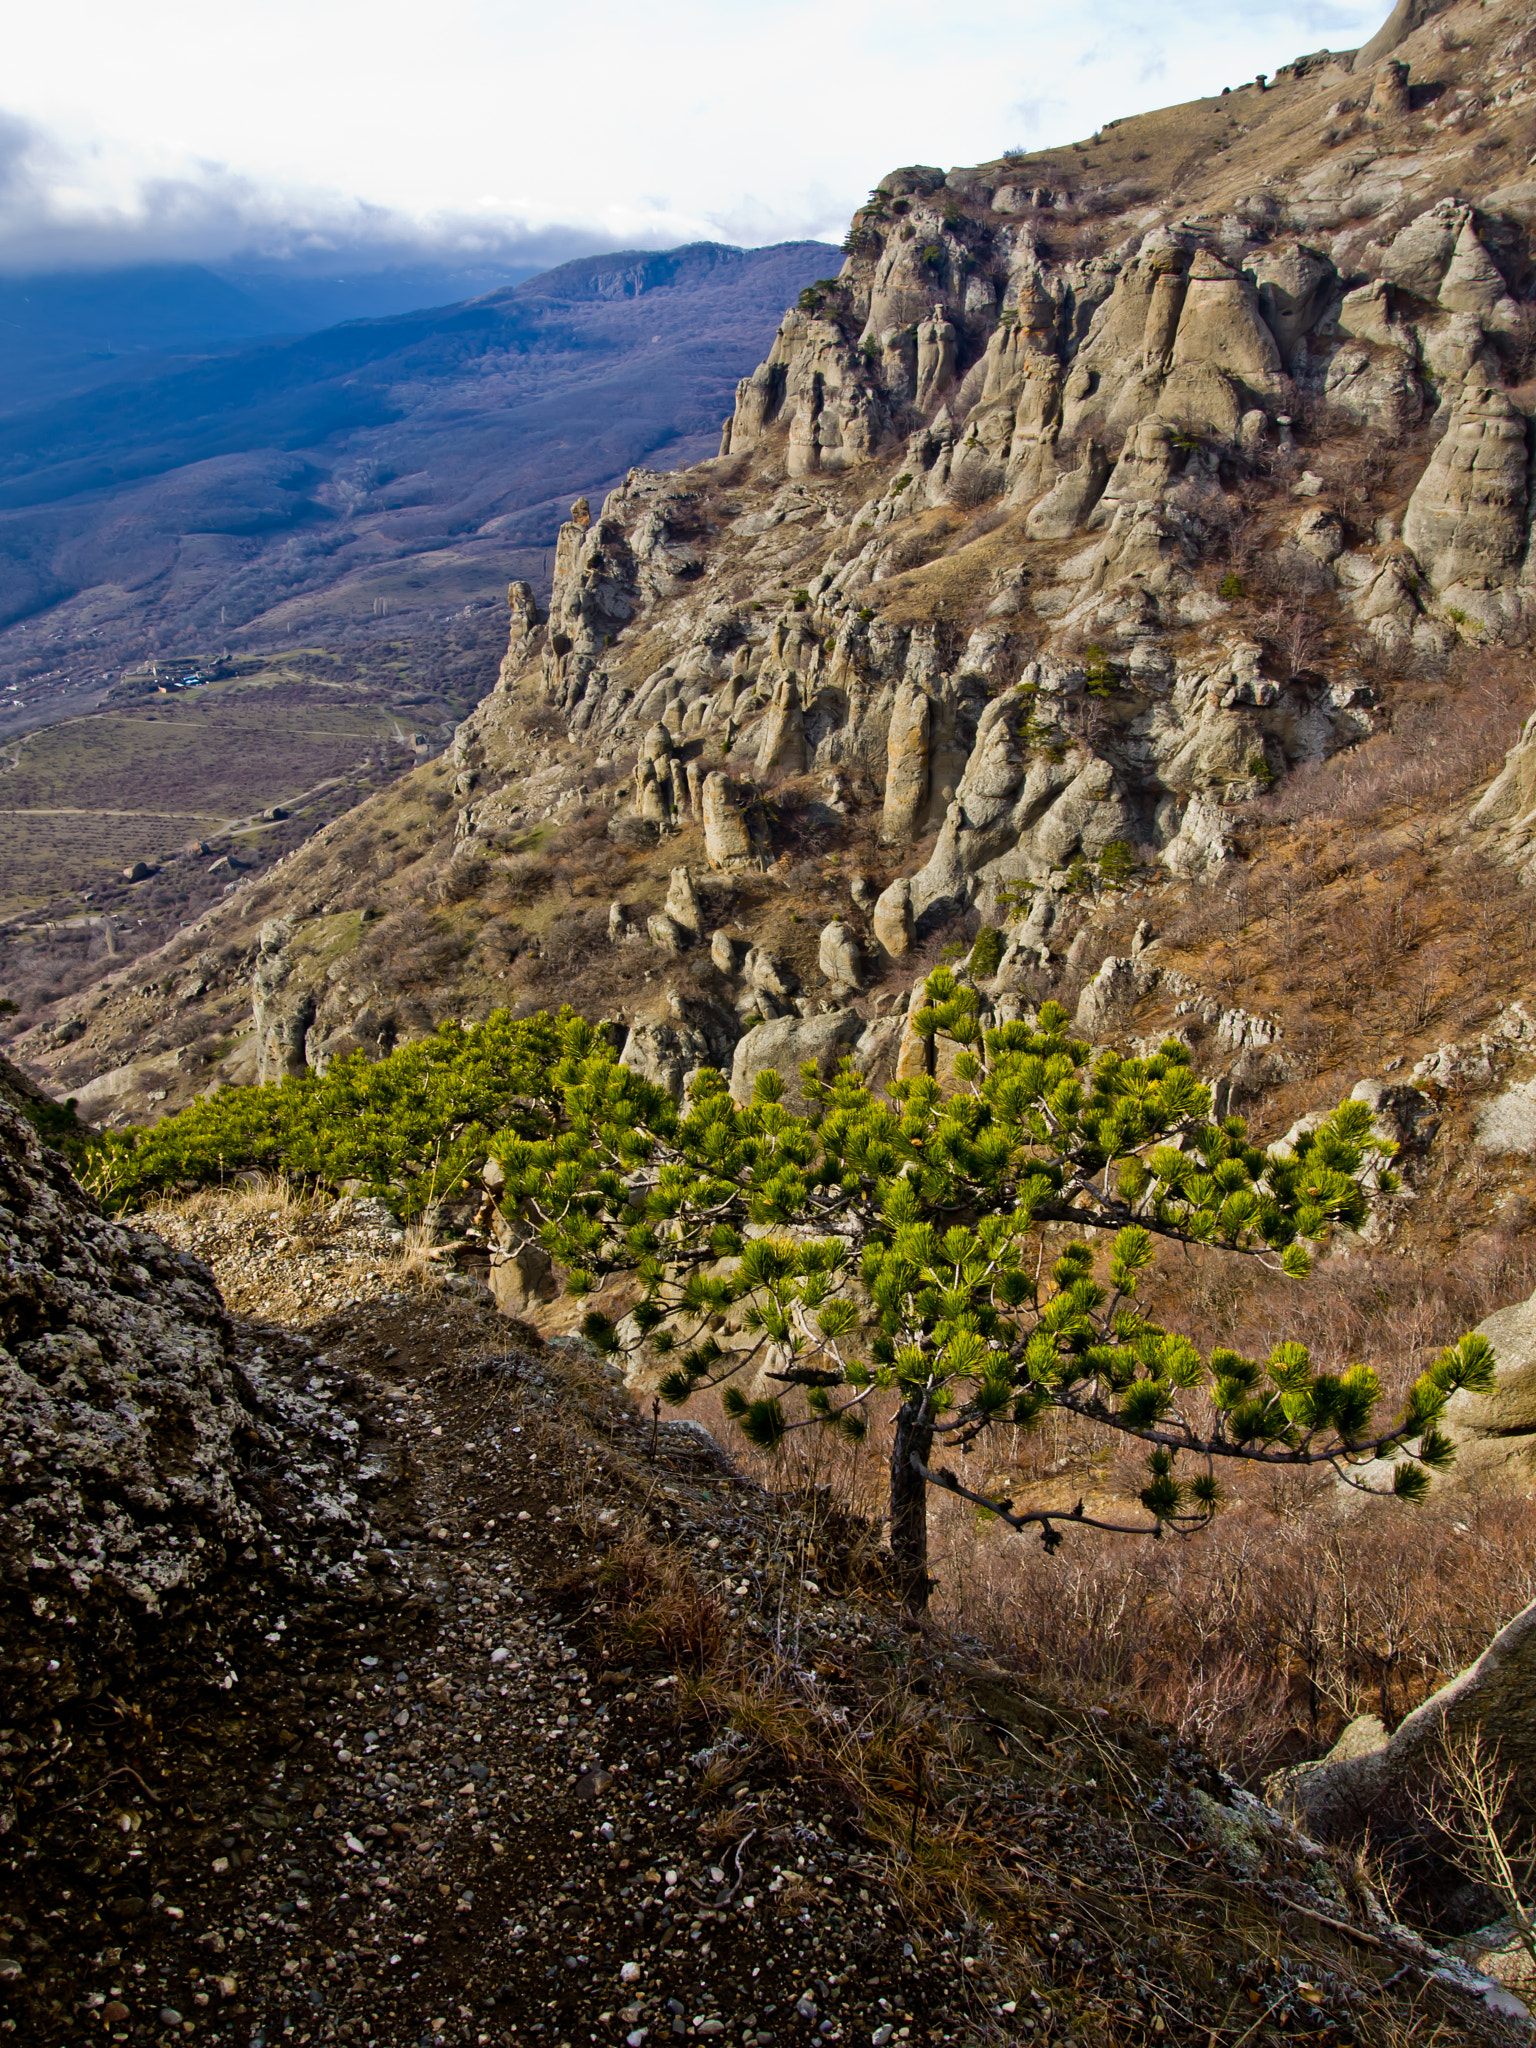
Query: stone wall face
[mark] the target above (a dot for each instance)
(1113, 402)
(129, 1426)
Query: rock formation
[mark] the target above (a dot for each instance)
(148, 1457)
(840, 956)
(1374, 1784)
(281, 1015)
(1467, 519)
(1056, 521)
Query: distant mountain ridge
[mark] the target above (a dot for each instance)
(65, 331)
(188, 500)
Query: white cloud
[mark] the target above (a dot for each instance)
(499, 126)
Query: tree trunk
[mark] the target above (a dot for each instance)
(909, 1502)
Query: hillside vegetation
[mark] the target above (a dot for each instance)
(954, 904)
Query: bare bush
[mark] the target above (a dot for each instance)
(1294, 634)
(526, 877)
(975, 484)
(1473, 1810)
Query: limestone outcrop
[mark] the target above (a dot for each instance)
(282, 1008)
(1508, 805)
(892, 918)
(1372, 1783)
(673, 1039)
(787, 1044)
(1466, 521)
(148, 1453)
(840, 956)
(729, 838)
(907, 758)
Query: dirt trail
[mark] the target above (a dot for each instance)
(619, 1748)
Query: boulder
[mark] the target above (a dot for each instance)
(1066, 505)
(671, 1042)
(874, 1057)
(658, 780)
(524, 623)
(764, 971)
(1221, 326)
(1294, 285)
(150, 1449)
(782, 744)
(1419, 255)
(841, 957)
(1143, 473)
(1389, 94)
(1495, 1433)
(1472, 282)
(682, 904)
(1321, 534)
(1509, 802)
(907, 758)
(1466, 518)
(725, 952)
(1508, 1122)
(914, 1053)
(729, 841)
(1366, 315)
(520, 1279)
(787, 1044)
(1109, 998)
(1203, 841)
(892, 920)
(669, 937)
(1373, 1785)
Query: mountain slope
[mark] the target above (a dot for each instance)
(1108, 497)
(1119, 584)
(175, 507)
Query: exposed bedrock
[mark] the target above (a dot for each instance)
(148, 1457)
(965, 561)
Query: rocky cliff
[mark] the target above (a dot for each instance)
(1101, 491)
(158, 1467)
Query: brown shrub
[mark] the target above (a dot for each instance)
(1264, 1638)
(659, 1608)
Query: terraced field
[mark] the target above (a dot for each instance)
(82, 800)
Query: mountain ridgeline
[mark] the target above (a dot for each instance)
(1103, 499)
(294, 489)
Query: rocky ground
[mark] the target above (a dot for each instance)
(608, 1743)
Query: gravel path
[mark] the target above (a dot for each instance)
(613, 1747)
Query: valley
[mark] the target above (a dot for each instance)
(824, 1330)
(306, 489)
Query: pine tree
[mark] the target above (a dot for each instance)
(897, 1245)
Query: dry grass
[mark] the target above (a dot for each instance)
(1257, 1641)
(1005, 1817)
(269, 1199)
(658, 1608)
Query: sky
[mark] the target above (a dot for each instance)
(312, 130)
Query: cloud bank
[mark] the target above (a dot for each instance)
(65, 207)
(314, 132)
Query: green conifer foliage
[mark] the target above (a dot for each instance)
(895, 1245)
(987, 953)
(411, 1125)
